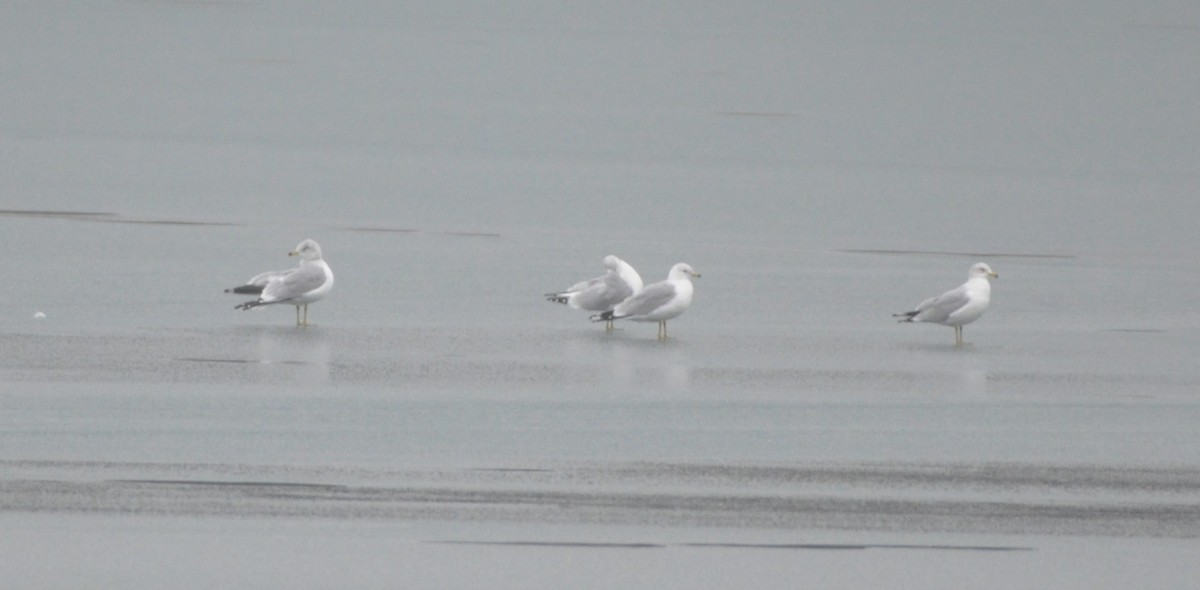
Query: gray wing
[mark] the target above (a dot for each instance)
(584, 285)
(650, 299)
(296, 283)
(255, 285)
(262, 280)
(604, 294)
(938, 309)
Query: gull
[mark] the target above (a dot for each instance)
(618, 283)
(959, 306)
(658, 302)
(299, 286)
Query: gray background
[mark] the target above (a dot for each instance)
(823, 166)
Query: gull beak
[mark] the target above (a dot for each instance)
(994, 275)
(293, 253)
(696, 275)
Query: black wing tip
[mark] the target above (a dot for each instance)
(248, 305)
(246, 290)
(556, 298)
(906, 316)
(606, 316)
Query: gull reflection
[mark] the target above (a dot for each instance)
(295, 357)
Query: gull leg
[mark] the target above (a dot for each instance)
(662, 330)
(608, 327)
(958, 340)
(305, 314)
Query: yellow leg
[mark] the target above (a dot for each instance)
(662, 330)
(608, 327)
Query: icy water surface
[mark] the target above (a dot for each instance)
(440, 425)
(782, 430)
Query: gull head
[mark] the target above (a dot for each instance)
(681, 271)
(612, 263)
(307, 250)
(983, 270)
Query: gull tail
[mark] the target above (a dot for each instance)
(906, 316)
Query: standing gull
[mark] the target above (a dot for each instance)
(619, 282)
(299, 286)
(658, 302)
(957, 307)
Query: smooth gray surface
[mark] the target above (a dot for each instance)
(442, 426)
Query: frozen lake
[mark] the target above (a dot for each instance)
(440, 425)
